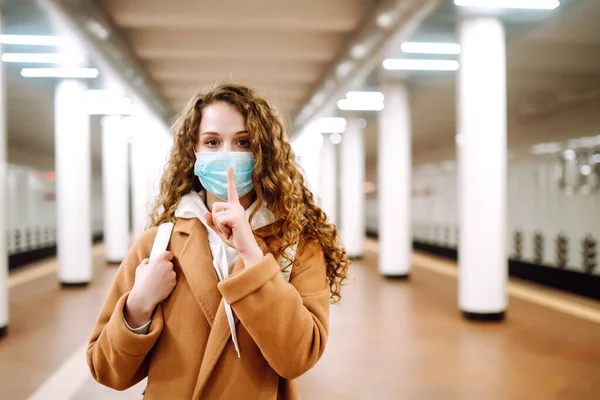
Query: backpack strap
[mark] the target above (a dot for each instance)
(161, 241)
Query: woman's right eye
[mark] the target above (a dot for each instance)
(211, 142)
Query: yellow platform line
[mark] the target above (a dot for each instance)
(573, 305)
(40, 269)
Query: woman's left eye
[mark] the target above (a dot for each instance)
(244, 143)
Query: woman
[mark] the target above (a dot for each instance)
(238, 306)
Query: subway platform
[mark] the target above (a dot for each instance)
(389, 339)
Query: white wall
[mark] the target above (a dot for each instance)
(31, 208)
(535, 203)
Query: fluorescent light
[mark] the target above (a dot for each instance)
(86, 73)
(349, 105)
(364, 96)
(420, 65)
(43, 58)
(331, 125)
(522, 4)
(430, 48)
(32, 40)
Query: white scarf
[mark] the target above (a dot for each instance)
(192, 205)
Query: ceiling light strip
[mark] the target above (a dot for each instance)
(75, 73)
(519, 4)
(400, 64)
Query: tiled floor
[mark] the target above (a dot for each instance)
(388, 340)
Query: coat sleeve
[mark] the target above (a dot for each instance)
(116, 356)
(288, 321)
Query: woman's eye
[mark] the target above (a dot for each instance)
(244, 143)
(211, 142)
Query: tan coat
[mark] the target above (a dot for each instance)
(188, 352)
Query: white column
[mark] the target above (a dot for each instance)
(3, 182)
(394, 182)
(352, 188)
(329, 180)
(139, 180)
(115, 189)
(482, 169)
(73, 183)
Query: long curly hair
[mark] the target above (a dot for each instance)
(276, 177)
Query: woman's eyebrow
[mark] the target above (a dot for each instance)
(209, 133)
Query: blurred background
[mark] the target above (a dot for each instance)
(455, 144)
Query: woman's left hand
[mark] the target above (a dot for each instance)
(228, 219)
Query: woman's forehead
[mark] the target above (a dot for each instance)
(221, 118)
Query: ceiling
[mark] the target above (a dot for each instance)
(30, 102)
(553, 66)
(283, 48)
(553, 73)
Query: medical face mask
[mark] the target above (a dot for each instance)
(211, 168)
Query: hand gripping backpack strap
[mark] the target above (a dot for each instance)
(161, 241)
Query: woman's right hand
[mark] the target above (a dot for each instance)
(154, 282)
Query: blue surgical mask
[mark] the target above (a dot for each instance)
(211, 168)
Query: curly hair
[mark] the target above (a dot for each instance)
(276, 177)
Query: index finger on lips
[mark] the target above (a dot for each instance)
(232, 195)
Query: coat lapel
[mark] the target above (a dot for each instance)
(220, 333)
(196, 263)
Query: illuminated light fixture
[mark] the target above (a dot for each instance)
(42, 58)
(364, 96)
(430, 48)
(335, 138)
(401, 64)
(75, 73)
(361, 101)
(522, 4)
(331, 125)
(348, 105)
(31, 40)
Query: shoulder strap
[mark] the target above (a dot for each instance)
(161, 241)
